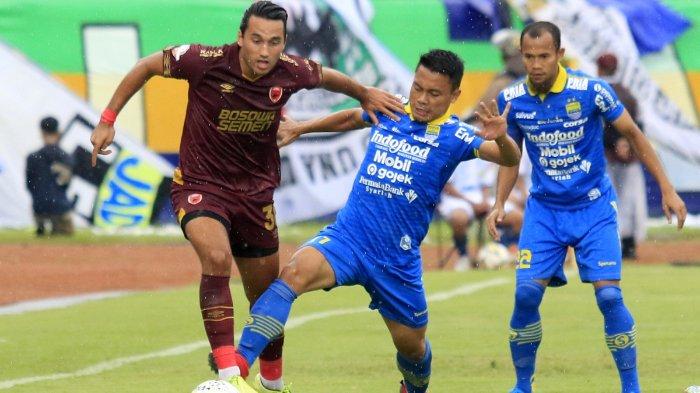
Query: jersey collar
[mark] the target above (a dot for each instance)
(437, 122)
(557, 87)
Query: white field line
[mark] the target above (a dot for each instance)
(58, 302)
(191, 347)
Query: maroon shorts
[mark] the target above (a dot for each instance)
(250, 221)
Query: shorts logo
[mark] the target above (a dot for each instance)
(194, 199)
(275, 94)
(405, 243)
(419, 314)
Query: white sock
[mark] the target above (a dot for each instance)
(229, 373)
(277, 384)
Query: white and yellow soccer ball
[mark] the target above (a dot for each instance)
(215, 385)
(493, 255)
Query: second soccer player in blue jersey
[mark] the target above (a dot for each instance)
(376, 237)
(559, 113)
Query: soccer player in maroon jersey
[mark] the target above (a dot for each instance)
(229, 161)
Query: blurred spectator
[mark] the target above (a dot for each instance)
(508, 43)
(467, 197)
(49, 171)
(624, 168)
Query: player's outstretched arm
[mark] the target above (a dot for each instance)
(346, 120)
(371, 99)
(670, 201)
(103, 134)
(498, 147)
(507, 176)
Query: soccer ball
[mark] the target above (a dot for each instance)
(494, 255)
(215, 385)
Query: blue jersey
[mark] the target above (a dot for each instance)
(399, 182)
(563, 133)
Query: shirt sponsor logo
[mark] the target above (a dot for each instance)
(393, 177)
(559, 151)
(606, 263)
(556, 137)
(559, 162)
(576, 83)
(212, 52)
(525, 115)
(384, 158)
(514, 91)
(604, 100)
(245, 121)
(465, 135)
(575, 123)
(400, 146)
(379, 188)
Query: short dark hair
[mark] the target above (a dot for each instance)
(444, 62)
(536, 29)
(266, 10)
(49, 125)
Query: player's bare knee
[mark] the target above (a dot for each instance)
(217, 262)
(297, 276)
(413, 349)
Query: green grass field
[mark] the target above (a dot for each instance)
(153, 341)
(439, 232)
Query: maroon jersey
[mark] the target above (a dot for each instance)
(230, 130)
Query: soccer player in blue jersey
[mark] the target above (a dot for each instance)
(558, 113)
(376, 237)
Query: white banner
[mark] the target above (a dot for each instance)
(587, 33)
(125, 194)
(318, 171)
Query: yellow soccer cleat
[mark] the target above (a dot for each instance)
(241, 385)
(262, 389)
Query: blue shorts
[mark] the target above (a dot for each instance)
(591, 231)
(396, 293)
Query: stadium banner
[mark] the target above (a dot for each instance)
(128, 193)
(33, 94)
(318, 171)
(588, 32)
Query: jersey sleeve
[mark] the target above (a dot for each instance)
(513, 129)
(306, 74)
(606, 101)
(187, 61)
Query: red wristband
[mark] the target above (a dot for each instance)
(108, 116)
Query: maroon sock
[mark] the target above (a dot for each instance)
(217, 313)
(271, 360)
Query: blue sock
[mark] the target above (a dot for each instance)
(416, 375)
(267, 319)
(526, 332)
(620, 334)
(460, 244)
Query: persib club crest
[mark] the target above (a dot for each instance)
(573, 109)
(275, 94)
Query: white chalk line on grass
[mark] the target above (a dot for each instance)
(191, 347)
(58, 302)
